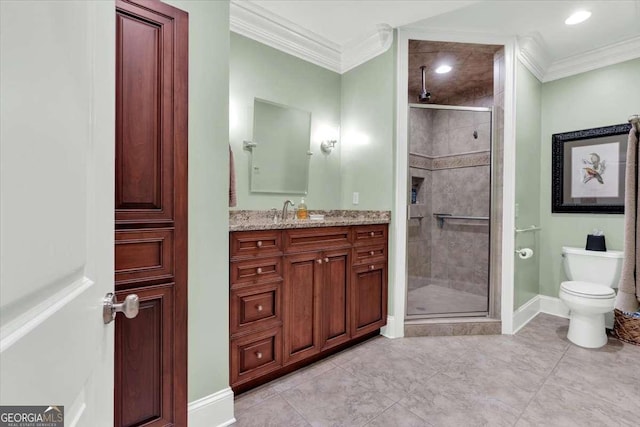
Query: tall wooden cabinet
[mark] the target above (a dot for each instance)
(298, 295)
(150, 371)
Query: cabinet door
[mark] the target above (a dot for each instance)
(303, 277)
(369, 298)
(335, 294)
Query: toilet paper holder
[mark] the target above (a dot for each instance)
(524, 253)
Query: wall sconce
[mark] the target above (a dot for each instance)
(327, 146)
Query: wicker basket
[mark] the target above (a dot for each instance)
(627, 328)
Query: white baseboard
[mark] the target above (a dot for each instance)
(391, 329)
(525, 313)
(553, 306)
(213, 410)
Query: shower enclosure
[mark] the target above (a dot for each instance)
(450, 151)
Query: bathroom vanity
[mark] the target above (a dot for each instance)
(301, 290)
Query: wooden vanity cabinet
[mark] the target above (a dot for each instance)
(369, 279)
(255, 304)
(301, 294)
(369, 295)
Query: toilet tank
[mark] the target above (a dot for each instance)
(592, 266)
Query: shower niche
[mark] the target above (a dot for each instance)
(451, 178)
(418, 198)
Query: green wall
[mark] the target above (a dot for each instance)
(367, 140)
(257, 70)
(528, 117)
(597, 98)
(367, 136)
(208, 195)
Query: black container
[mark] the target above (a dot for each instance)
(596, 243)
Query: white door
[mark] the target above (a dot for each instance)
(57, 102)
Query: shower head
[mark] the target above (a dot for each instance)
(424, 96)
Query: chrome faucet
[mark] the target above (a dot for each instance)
(285, 207)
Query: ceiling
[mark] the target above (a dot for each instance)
(611, 22)
(471, 76)
(342, 21)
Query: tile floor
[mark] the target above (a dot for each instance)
(535, 378)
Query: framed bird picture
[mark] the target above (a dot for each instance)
(588, 169)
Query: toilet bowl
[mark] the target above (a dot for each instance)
(589, 294)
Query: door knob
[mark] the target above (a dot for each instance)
(110, 307)
(326, 260)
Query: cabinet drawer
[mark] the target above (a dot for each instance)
(255, 307)
(251, 244)
(369, 234)
(255, 355)
(256, 271)
(312, 239)
(369, 254)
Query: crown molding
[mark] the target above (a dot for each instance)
(532, 53)
(361, 50)
(597, 58)
(257, 23)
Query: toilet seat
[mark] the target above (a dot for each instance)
(587, 290)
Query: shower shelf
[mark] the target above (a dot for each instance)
(441, 217)
(417, 210)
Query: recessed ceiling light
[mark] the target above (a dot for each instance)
(443, 69)
(578, 17)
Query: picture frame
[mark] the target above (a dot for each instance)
(588, 170)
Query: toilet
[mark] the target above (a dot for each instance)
(589, 293)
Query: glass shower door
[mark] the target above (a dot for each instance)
(450, 196)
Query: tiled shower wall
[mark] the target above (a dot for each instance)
(452, 169)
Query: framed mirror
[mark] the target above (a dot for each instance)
(280, 148)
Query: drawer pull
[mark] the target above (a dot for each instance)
(326, 260)
(319, 261)
(259, 243)
(259, 270)
(259, 307)
(258, 355)
(371, 267)
(372, 253)
(372, 234)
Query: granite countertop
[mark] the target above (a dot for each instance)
(245, 220)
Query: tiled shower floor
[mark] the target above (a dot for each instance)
(432, 299)
(534, 378)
